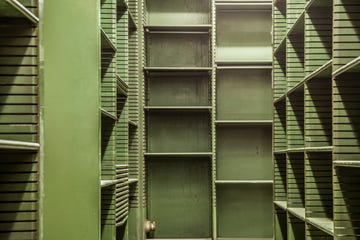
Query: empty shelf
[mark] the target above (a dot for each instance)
(180, 28)
(281, 204)
(19, 145)
(244, 181)
(178, 108)
(132, 22)
(317, 4)
(107, 114)
(132, 180)
(180, 154)
(122, 87)
(321, 72)
(14, 9)
(324, 224)
(351, 67)
(107, 183)
(132, 123)
(298, 26)
(338, 163)
(242, 122)
(177, 69)
(106, 42)
(297, 212)
(319, 149)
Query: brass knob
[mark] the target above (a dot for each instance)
(149, 226)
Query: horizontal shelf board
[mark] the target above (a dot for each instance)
(179, 239)
(280, 99)
(254, 63)
(244, 181)
(281, 48)
(319, 149)
(107, 114)
(177, 69)
(281, 204)
(324, 224)
(107, 183)
(133, 180)
(241, 5)
(234, 67)
(297, 212)
(317, 4)
(298, 26)
(180, 154)
(19, 145)
(14, 9)
(295, 150)
(322, 72)
(280, 151)
(106, 42)
(351, 67)
(180, 28)
(178, 108)
(132, 23)
(339, 163)
(132, 123)
(242, 122)
(222, 238)
(122, 86)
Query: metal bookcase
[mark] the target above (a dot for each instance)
(316, 52)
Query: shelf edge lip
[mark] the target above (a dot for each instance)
(177, 69)
(243, 122)
(178, 27)
(132, 123)
(258, 63)
(281, 204)
(24, 11)
(122, 86)
(19, 145)
(149, 154)
(279, 99)
(347, 67)
(132, 180)
(280, 152)
(244, 181)
(108, 183)
(298, 20)
(122, 222)
(294, 212)
(178, 108)
(266, 5)
(319, 149)
(295, 150)
(296, 88)
(309, 5)
(318, 71)
(349, 164)
(316, 224)
(106, 38)
(107, 114)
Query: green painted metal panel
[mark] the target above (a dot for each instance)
(70, 111)
(179, 197)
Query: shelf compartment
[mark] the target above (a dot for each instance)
(178, 108)
(280, 222)
(244, 157)
(295, 180)
(244, 181)
(346, 124)
(122, 87)
(346, 45)
(296, 225)
(178, 89)
(295, 60)
(242, 122)
(280, 50)
(9, 145)
(318, 35)
(177, 12)
(279, 133)
(106, 42)
(295, 119)
(178, 154)
(346, 202)
(244, 94)
(158, 70)
(299, 26)
(132, 22)
(324, 71)
(236, 41)
(241, 5)
(324, 224)
(280, 186)
(254, 201)
(299, 213)
(279, 77)
(15, 9)
(179, 28)
(178, 132)
(191, 50)
(318, 186)
(281, 204)
(188, 185)
(318, 113)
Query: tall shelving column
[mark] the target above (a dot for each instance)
(19, 120)
(177, 84)
(243, 120)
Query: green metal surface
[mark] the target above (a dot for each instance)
(179, 197)
(70, 113)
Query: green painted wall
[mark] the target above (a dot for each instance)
(70, 102)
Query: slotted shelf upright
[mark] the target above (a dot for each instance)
(316, 140)
(178, 108)
(19, 119)
(243, 120)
